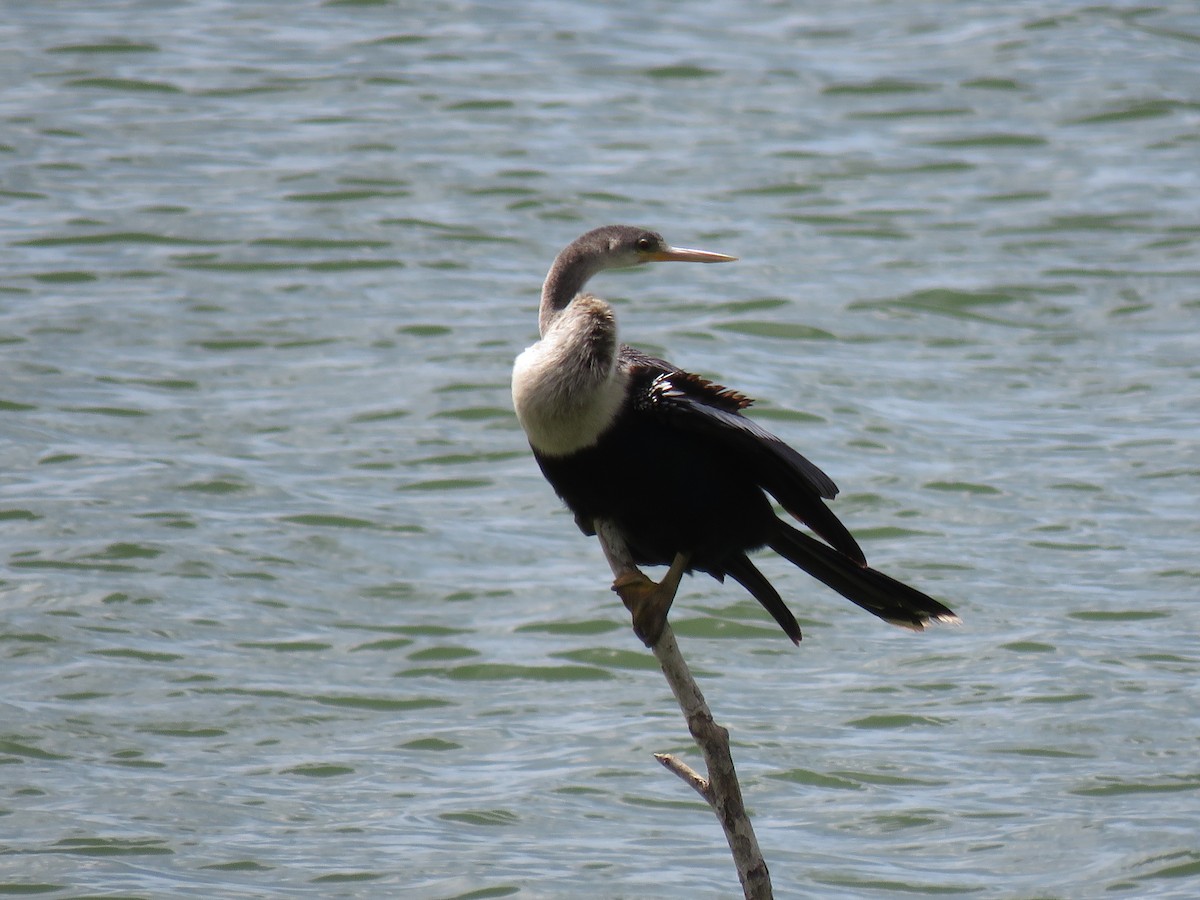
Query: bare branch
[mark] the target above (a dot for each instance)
(690, 776)
(721, 789)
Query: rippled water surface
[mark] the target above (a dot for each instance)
(286, 606)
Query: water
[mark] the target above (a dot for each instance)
(287, 609)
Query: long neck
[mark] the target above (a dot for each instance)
(569, 387)
(566, 278)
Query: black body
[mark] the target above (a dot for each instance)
(680, 469)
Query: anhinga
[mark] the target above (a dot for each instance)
(667, 458)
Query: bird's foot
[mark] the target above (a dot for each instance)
(650, 601)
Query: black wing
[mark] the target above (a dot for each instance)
(705, 408)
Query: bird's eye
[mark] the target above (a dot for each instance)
(645, 242)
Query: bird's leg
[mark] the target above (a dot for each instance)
(650, 601)
(647, 601)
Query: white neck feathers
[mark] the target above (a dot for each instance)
(567, 388)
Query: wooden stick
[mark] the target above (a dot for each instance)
(720, 790)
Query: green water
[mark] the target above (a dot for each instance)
(286, 608)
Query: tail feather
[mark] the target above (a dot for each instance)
(879, 594)
(778, 474)
(809, 509)
(744, 572)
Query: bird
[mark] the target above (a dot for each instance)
(670, 460)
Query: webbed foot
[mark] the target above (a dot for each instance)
(650, 601)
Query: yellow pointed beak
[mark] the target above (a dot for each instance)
(683, 254)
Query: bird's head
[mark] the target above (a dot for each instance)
(608, 247)
(621, 246)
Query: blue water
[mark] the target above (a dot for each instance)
(286, 607)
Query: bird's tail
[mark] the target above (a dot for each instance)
(744, 572)
(879, 594)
